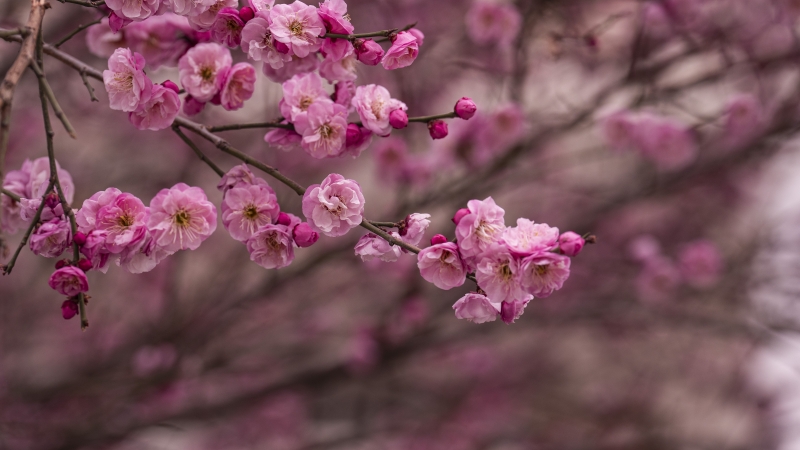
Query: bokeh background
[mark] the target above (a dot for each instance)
(677, 330)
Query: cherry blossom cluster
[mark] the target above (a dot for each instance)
(251, 214)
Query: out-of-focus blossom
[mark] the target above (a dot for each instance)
(358, 139)
(161, 40)
(544, 273)
(334, 206)
(181, 218)
(441, 265)
(271, 247)
(159, 111)
(203, 69)
(125, 80)
(343, 93)
(134, 9)
(102, 41)
(528, 237)
(368, 51)
(371, 246)
(227, 27)
(510, 311)
(286, 140)
(299, 93)
(290, 68)
(658, 280)
(247, 208)
(402, 53)
(643, 248)
(374, 104)
(745, 118)
(481, 228)
(238, 86)
(69, 281)
(297, 25)
(619, 131)
(203, 18)
(491, 22)
(668, 143)
(700, 263)
(414, 226)
(15, 182)
(343, 69)
(324, 129)
(476, 308)
(51, 238)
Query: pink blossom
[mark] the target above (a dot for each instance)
(510, 311)
(334, 16)
(189, 7)
(181, 218)
(500, 275)
(528, 238)
(192, 106)
(15, 182)
(334, 206)
(124, 222)
(247, 208)
(658, 280)
(290, 68)
(358, 139)
(258, 43)
(239, 176)
(493, 23)
(161, 40)
(271, 247)
(335, 50)
(299, 93)
(369, 52)
(465, 108)
(117, 21)
(481, 228)
(238, 86)
(304, 236)
(286, 140)
(69, 281)
(134, 9)
(418, 35)
(441, 265)
(570, 243)
(203, 17)
(261, 5)
(102, 41)
(125, 81)
(227, 27)
(700, 263)
(142, 257)
(86, 216)
(39, 170)
(414, 226)
(343, 93)
(402, 53)
(324, 129)
(437, 129)
(51, 238)
(203, 69)
(476, 308)
(745, 118)
(398, 119)
(374, 104)
(159, 111)
(544, 273)
(371, 246)
(619, 131)
(669, 143)
(297, 25)
(343, 69)
(95, 250)
(643, 248)
(69, 309)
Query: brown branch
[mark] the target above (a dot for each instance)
(51, 97)
(76, 31)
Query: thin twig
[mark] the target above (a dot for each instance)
(51, 97)
(10, 195)
(88, 86)
(10, 266)
(243, 126)
(197, 151)
(8, 33)
(76, 31)
(450, 115)
(382, 33)
(86, 3)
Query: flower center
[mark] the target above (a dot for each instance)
(206, 73)
(124, 81)
(486, 231)
(125, 221)
(377, 107)
(325, 131)
(540, 270)
(296, 27)
(251, 212)
(505, 272)
(305, 102)
(181, 218)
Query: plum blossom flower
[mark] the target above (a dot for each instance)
(304, 236)
(700, 263)
(500, 275)
(441, 265)
(358, 139)
(86, 216)
(343, 69)
(189, 7)
(227, 27)
(261, 5)
(570, 243)
(290, 68)
(414, 226)
(343, 93)
(271, 247)
(491, 22)
(476, 308)
(544, 273)
(159, 111)
(95, 250)
(238, 176)
(371, 246)
(334, 16)
(69, 281)
(258, 43)
(510, 311)
(134, 9)
(181, 218)
(324, 129)
(102, 41)
(204, 17)
(298, 26)
(286, 140)
(15, 182)
(479, 229)
(238, 86)
(161, 40)
(299, 93)
(247, 208)
(374, 104)
(202, 70)
(402, 53)
(142, 257)
(528, 238)
(336, 49)
(123, 221)
(125, 80)
(51, 238)
(334, 206)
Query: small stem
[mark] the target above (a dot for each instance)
(388, 237)
(243, 126)
(450, 115)
(8, 33)
(88, 86)
(384, 224)
(51, 97)
(76, 31)
(86, 3)
(382, 33)
(35, 221)
(82, 311)
(197, 151)
(11, 195)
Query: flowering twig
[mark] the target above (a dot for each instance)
(425, 119)
(76, 31)
(243, 126)
(10, 266)
(88, 86)
(10, 195)
(51, 97)
(197, 151)
(86, 3)
(382, 33)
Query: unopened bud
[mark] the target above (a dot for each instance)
(170, 85)
(460, 215)
(398, 119)
(437, 129)
(246, 14)
(438, 239)
(465, 108)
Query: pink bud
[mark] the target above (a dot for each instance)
(170, 85)
(398, 119)
(191, 106)
(69, 309)
(85, 265)
(437, 129)
(355, 135)
(79, 239)
(61, 263)
(281, 47)
(460, 215)
(418, 35)
(246, 13)
(284, 219)
(51, 200)
(438, 239)
(368, 51)
(116, 22)
(570, 243)
(304, 236)
(216, 99)
(510, 311)
(465, 108)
